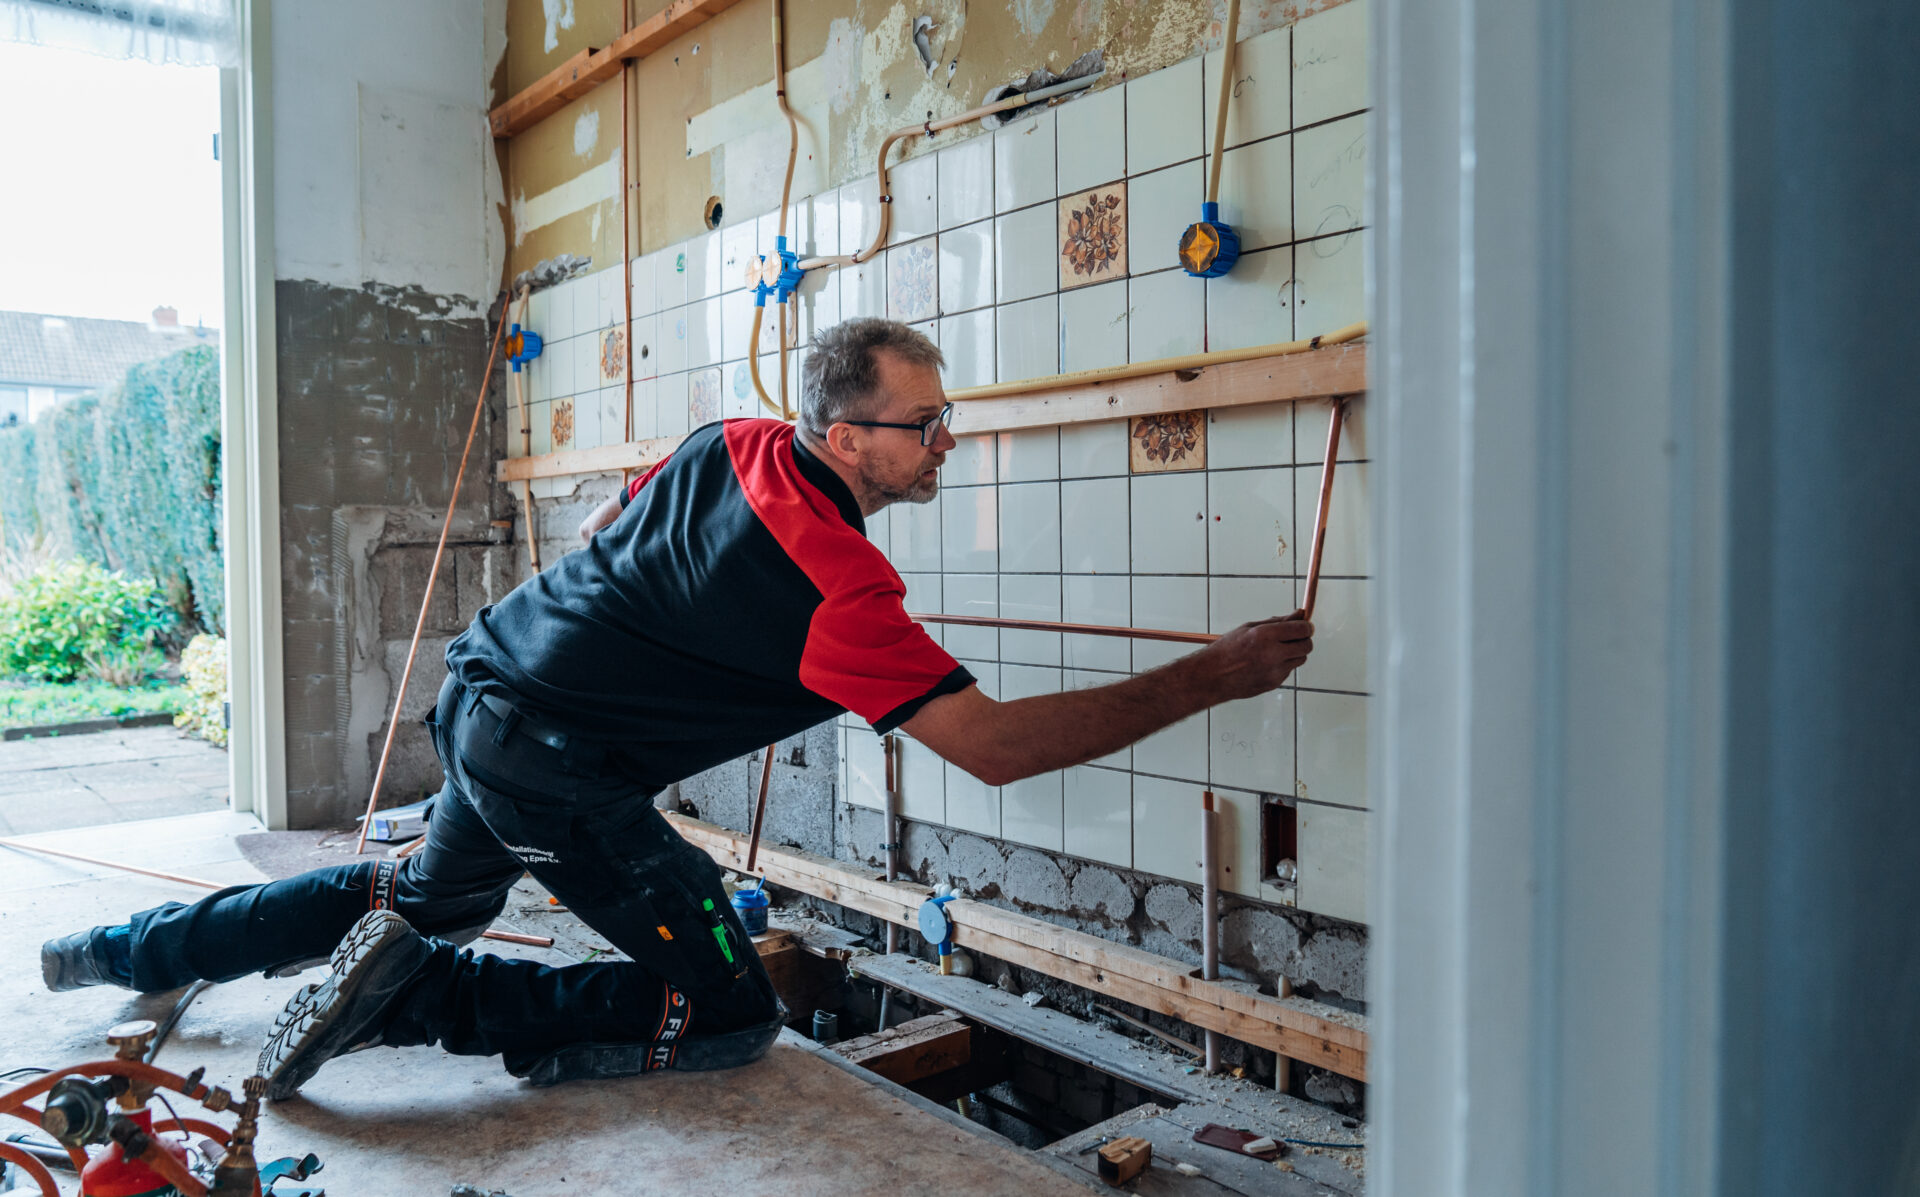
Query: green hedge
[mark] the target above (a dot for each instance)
(130, 478)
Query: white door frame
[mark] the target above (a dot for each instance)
(250, 427)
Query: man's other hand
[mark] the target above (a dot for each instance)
(1257, 657)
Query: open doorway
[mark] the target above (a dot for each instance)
(113, 594)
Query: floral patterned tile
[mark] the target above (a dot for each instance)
(613, 356)
(1093, 236)
(913, 292)
(703, 397)
(562, 425)
(1174, 441)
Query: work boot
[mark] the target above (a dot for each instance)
(86, 958)
(350, 1008)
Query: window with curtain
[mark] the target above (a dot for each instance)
(186, 32)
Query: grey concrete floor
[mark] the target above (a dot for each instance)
(416, 1121)
(54, 782)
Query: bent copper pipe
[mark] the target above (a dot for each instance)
(1316, 553)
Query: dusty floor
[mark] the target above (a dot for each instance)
(417, 1121)
(52, 782)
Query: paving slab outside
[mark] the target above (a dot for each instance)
(54, 782)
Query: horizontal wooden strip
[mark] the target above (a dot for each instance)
(1317, 374)
(1120, 971)
(588, 69)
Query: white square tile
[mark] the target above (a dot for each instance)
(670, 277)
(1093, 525)
(967, 342)
(1330, 63)
(1097, 600)
(813, 226)
(1256, 193)
(913, 288)
(670, 405)
(1234, 601)
(612, 307)
(1099, 815)
(966, 182)
(1170, 604)
(1260, 434)
(972, 804)
(1164, 117)
(863, 288)
(766, 230)
(1333, 862)
(1177, 751)
(970, 531)
(971, 594)
(1332, 747)
(646, 415)
(736, 323)
(1093, 327)
(1330, 282)
(923, 781)
(560, 311)
(1169, 523)
(739, 253)
(915, 186)
(923, 595)
(1082, 679)
(866, 770)
(1251, 525)
(586, 363)
(646, 293)
(1093, 450)
(818, 301)
(1261, 105)
(1166, 828)
(1160, 206)
(738, 399)
(706, 332)
(859, 213)
(1167, 316)
(1339, 660)
(880, 530)
(1025, 250)
(1031, 811)
(1310, 420)
(1030, 596)
(541, 414)
(539, 315)
(1030, 455)
(558, 358)
(1346, 545)
(642, 342)
(1023, 167)
(970, 462)
(1028, 334)
(705, 279)
(1030, 528)
(1093, 139)
(671, 340)
(1251, 743)
(1252, 305)
(1330, 177)
(966, 267)
(586, 418)
(916, 537)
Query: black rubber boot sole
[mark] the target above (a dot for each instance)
(75, 962)
(347, 1010)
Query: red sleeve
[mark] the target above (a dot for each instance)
(633, 488)
(862, 651)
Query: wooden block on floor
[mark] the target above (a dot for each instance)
(913, 1050)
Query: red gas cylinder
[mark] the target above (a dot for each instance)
(111, 1174)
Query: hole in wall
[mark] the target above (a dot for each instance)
(711, 212)
(1279, 843)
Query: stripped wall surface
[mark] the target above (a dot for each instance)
(1049, 246)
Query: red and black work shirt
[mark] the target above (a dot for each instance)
(735, 601)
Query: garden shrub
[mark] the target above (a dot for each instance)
(204, 665)
(66, 611)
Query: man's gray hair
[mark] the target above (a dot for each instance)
(841, 379)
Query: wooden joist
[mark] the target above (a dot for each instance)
(1319, 374)
(590, 68)
(1165, 986)
(913, 1050)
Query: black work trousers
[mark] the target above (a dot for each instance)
(694, 994)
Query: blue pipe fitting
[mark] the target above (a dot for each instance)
(522, 346)
(1209, 247)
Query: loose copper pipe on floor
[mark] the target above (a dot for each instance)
(1316, 553)
(433, 575)
(1081, 629)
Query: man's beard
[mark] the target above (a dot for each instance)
(920, 490)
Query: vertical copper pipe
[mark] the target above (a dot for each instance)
(519, 387)
(1209, 916)
(1220, 113)
(1320, 516)
(626, 224)
(760, 808)
(890, 752)
(433, 575)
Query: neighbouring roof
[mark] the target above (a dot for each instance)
(79, 351)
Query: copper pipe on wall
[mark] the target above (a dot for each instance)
(1317, 551)
(1209, 915)
(1082, 629)
(518, 385)
(626, 224)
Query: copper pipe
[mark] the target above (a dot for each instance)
(532, 941)
(1083, 629)
(433, 575)
(626, 222)
(1209, 916)
(1316, 553)
(518, 386)
(1220, 114)
(760, 808)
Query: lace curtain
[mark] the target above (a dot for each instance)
(186, 32)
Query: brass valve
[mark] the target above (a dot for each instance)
(130, 1041)
(238, 1173)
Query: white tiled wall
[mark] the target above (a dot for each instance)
(1050, 523)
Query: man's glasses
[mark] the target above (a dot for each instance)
(928, 430)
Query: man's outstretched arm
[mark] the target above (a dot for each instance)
(1002, 742)
(601, 516)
